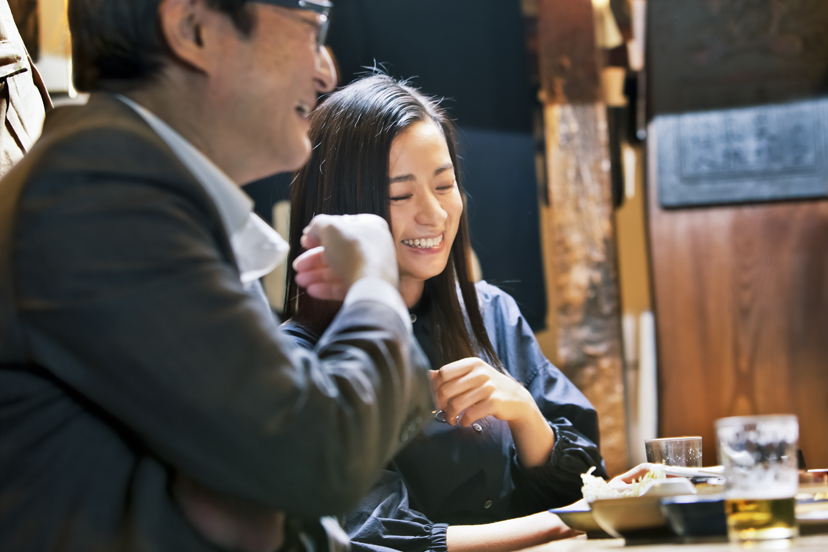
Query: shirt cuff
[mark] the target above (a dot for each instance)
(377, 289)
(439, 542)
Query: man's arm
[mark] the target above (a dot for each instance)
(129, 298)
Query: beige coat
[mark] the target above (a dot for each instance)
(23, 98)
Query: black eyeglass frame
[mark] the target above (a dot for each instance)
(321, 7)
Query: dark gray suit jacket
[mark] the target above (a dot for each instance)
(129, 351)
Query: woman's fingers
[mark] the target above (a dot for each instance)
(472, 387)
(448, 392)
(453, 377)
(467, 402)
(635, 473)
(456, 369)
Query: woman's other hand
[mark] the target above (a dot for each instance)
(469, 389)
(636, 473)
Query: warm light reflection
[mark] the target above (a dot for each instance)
(54, 28)
(600, 3)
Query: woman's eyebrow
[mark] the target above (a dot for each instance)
(402, 178)
(444, 168)
(410, 177)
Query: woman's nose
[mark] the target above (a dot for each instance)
(430, 212)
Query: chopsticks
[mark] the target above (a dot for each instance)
(681, 471)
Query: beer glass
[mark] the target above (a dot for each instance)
(675, 451)
(759, 458)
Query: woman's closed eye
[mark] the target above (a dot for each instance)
(400, 197)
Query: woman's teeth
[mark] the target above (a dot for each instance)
(425, 243)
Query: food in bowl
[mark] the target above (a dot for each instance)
(596, 488)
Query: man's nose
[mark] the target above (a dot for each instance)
(325, 73)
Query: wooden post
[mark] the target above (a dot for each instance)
(578, 225)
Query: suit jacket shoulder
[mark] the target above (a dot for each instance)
(81, 148)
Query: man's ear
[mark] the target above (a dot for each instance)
(182, 24)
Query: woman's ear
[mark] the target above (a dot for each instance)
(182, 24)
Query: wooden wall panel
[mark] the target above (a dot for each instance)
(741, 304)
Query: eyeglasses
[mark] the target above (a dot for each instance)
(322, 7)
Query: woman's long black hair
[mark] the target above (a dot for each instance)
(351, 134)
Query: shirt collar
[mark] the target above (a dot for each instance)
(257, 247)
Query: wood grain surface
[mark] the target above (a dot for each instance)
(716, 54)
(580, 235)
(584, 271)
(567, 54)
(741, 304)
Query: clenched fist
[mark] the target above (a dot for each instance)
(342, 250)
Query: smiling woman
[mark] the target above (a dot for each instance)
(398, 143)
(511, 435)
(425, 206)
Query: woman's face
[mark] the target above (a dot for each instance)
(425, 201)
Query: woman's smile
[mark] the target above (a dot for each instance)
(425, 245)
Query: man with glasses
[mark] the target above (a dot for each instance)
(148, 400)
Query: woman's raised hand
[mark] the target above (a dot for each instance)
(474, 389)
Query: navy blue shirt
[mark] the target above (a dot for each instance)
(453, 475)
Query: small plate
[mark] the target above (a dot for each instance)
(640, 517)
(672, 486)
(812, 515)
(631, 517)
(581, 520)
(696, 516)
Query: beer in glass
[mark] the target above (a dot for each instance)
(759, 457)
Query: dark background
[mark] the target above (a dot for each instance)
(473, 54)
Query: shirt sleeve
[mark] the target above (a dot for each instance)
(381, 291)
(558, 482)
(384, 521)
(570, 415)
